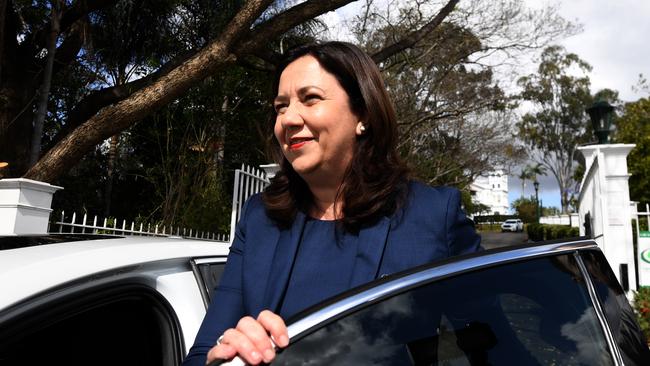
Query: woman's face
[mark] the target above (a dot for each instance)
(315, 126)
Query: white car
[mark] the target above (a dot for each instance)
(75, 299)
(512, 225)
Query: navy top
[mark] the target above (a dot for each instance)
(322, 267)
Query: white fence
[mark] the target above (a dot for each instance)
(112, 227)
(569, 220)
(248, 181)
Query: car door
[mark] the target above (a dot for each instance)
(531, 306)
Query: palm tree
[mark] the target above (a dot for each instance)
(536, 170)
(524, 175)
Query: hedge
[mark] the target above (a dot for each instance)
(642, 307)
(539, 232)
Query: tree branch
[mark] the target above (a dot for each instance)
(415, 36)
(261, 35)
(151, 98)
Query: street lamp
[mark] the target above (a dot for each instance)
(601, 119)
(536, 184)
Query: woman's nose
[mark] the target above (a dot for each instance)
(291, 118)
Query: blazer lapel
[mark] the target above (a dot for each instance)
(285, 252)
(372, 241)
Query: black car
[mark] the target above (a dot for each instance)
(550, 304)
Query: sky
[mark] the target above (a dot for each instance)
(613, 41)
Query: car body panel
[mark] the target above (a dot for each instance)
(28, 271)
(31, 277)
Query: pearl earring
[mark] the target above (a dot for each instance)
(362, 128)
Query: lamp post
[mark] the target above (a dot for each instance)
(601, 119)
(536, 184)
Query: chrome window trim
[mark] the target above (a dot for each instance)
(195, 263)
(431, 274)
(618, 359)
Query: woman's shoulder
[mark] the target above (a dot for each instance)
(253, 208)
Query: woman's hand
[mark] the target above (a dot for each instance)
(250, 340)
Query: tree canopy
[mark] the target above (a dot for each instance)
(633, 127)
(557, 124)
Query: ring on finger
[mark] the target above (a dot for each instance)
(220, 340)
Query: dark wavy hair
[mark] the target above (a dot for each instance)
(375, 183)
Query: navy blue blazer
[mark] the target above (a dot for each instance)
(429, 227)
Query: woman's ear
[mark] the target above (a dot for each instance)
(361, 128)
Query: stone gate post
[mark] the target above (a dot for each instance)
(604, 207)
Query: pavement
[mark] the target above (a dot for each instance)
(490, 240)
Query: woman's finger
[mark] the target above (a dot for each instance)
(275, 325)
(221, 351)
(250, 339)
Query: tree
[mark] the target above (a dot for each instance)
(633, 127)
(524, 175)
(244, 37)
(525, 209)
(558, 122)
(445, 89)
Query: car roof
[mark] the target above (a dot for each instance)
(33, 269)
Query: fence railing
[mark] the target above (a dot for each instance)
(111, 226)
(248, 181)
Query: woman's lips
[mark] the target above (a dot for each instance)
(297, 144)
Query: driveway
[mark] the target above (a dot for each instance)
(491, 240)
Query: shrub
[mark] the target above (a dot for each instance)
(642, 309)
(539, 232)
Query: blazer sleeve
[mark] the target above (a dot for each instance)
(226, 306)
(461, 234)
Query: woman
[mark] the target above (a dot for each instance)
(341, 212)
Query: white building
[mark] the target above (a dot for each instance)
(491, 189)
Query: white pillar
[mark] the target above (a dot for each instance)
(25, 206)
(605, 195)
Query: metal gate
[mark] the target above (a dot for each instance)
(248, 181)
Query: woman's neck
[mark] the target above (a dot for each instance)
(327, 206)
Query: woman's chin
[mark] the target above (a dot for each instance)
(304, 168)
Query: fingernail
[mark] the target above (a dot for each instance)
(284, 341)
(268, 355)
(256, 356)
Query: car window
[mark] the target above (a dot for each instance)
(619, 314)
(536, 312)
(208, 272)
(115, 325)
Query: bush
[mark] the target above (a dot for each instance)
(539, 232)
(642, 309)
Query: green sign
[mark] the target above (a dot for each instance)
(644, 234)
(645, 255)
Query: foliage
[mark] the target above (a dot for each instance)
(446, 94)
(633, 127)
(525, 209)
(641, 305)
(558, 123)
(539, 232)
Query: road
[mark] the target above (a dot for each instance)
(491, 240)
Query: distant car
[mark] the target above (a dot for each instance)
(512, 225)
(550, 304)
(73, 299)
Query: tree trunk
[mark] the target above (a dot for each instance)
(44, 91)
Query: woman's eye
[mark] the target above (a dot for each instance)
(312, 98)
(279, 108)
